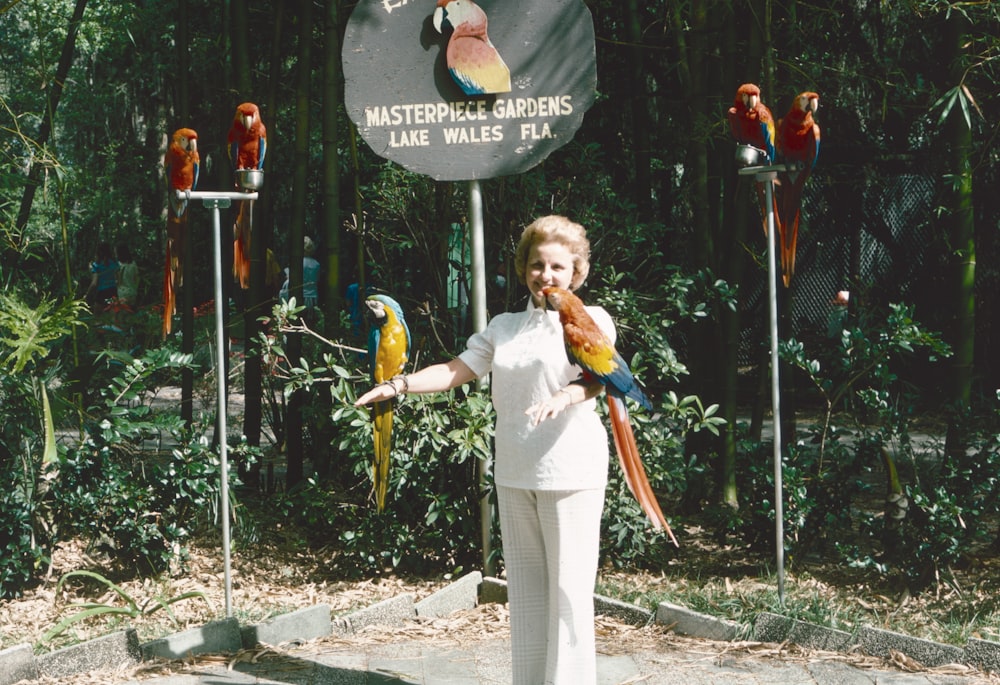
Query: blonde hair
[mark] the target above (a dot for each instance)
(308, 246)
(555, 229)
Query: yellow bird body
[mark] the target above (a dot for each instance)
(388, 352)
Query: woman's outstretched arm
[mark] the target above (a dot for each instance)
(434, 378)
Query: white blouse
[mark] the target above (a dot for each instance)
(526, 353)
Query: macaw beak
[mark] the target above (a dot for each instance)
(376, 309)
(440, 16)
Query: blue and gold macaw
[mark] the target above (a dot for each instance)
(473, 61)
(388, 351)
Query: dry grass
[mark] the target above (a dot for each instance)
(276, 578)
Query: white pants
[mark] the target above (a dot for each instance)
(551, 544)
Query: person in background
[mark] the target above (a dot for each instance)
(103, 281)
(128, 277)
(551, 464)
(310, 276)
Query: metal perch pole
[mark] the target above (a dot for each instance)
(477, 243)
(215, 202)
(767, 175)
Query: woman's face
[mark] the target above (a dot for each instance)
(549, 263)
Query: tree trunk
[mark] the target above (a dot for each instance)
(239, 37)
(960, 225)
(48, 121)
(332, 96)
(641, 126)
(296, 233)
(259, 297)
(187, 291)
(691, 47)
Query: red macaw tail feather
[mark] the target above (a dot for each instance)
(169, 296)
(791, 210)
(788, 233)
(241, 245)
(788, 246)
(382, 433)
(173, 276)
(631, 463)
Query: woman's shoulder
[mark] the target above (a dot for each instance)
(597, 312)
(603, 320)
(505, 320)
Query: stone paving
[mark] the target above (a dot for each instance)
(377, 645)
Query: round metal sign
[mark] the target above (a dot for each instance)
(462, 90)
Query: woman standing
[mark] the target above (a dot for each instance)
(551, 461)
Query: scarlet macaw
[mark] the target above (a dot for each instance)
(247, 147)
(588, 347)
(473, 61)
(182, 164)
(751, 123)
(388, 351)
(798, 148)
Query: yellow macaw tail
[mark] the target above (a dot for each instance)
(382, 433)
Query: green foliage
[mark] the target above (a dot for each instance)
(27, 435)
(431, 517)
(646, 324)
(22, 556)
(29, 332)
(131, 608)
(822, 476)
(137, 507)
(952, 509)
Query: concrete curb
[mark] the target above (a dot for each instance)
(683, 621)
(18, 663)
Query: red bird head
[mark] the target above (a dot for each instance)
(246, 117)
(804, 104)
(186, 140)
(559, 299)
(747, 97)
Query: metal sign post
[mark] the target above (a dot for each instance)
(767, 175)
(416, 107)
(215, 202)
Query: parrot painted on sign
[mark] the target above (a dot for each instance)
(182, 164)
(798, 147)
(473, 61)
(751, 123)
(388, 352)
(588, 347)
(247, 140)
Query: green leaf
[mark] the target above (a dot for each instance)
(51, 453)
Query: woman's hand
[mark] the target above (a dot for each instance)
(550, 408)
(386, 390)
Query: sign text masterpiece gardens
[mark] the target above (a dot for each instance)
(408, 107)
